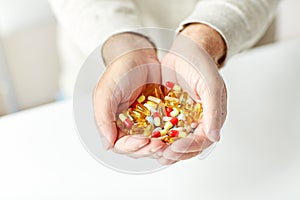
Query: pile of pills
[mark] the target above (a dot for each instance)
(167, 113)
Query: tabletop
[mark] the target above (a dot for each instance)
(258, 156)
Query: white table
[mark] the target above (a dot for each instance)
(257, 158)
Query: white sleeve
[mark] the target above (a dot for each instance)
(240, 22)
(90, 22)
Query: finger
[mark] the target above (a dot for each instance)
(171, 155)
(104, 111)
(130, 143)
(195, 142)
(214, 103)
(150, 149)
(164, 161)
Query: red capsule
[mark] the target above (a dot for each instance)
(174, 121)
(156, 134)
(173, 86)
(168, 111)
(176, 133)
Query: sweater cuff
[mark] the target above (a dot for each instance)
(230, 21)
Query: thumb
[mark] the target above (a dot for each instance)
(214, 103)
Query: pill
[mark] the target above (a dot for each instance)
(125, 120)
(168, 111)
(155, 134)
(150, 119)
(166, 118)
(138, 106)
(152, 110)
(173, 86)
(162, 114)
(171, 123)
(181, 116)
(174, 112)
(156, 118)
(141, 99)
(176, 133)
(154, 99)
(136, 115)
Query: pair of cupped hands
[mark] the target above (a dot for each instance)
(132, 62)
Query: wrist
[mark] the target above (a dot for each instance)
(127, 42)
(208, 39)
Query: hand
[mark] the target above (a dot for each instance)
(117, 89)
(191, 59)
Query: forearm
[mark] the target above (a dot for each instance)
(90, 22)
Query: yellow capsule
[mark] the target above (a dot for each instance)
(198, 107)
(195, 115)
(171, 94)
(141, 98)
(136, 130)
(148, 130)
(171, 101)
(137, 115)
(189, 107)
(183, 97)
(169, 140)
(180, 123)
(141, 108)
(188, 120)
(152, 104)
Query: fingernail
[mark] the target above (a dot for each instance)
(214, 135)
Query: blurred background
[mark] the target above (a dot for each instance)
(29, 59)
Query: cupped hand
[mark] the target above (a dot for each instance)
(119, 86)
(194, 69)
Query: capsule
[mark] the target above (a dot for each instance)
(166, 118)
(171, 94)
(171, 101)
(141, 99)
(150, 119)
(174, 112)
(168, 111)
(180, 123)
(125, 120)
(152, 110)
(158, 133)
(148, 130)
(154, 99)
(136, 129)
(170, 124)
(156, 119)
(136, 115)
(181, 116)
(176, 133)
(141, 108)
(183, 98)
(173, 86)
(169, 140)
(155, 134)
